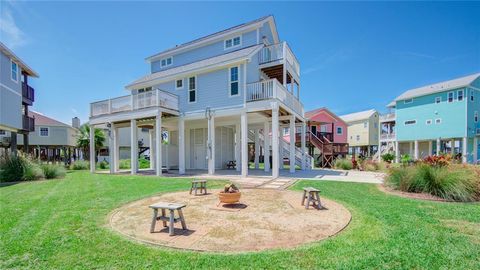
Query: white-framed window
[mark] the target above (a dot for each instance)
(460, 95)
(408, 101)
(234, 84)
(472, 98)
(438, 100)
(358, 138)
(143, 90)
(14, 71)
(428, 122)
(2, 132)
(438, 121)
(410, 122)
(365, 124)
(179, 84)
(192, 89)
(286, 131)
(232, 42)
(339, 130)
(475, 117)
(166, 62)
(451, 97)
(43, 132)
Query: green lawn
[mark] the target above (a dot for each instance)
(61, 224)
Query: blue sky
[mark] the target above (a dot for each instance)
(353, 56)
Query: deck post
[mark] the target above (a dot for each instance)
(181, 145)
(415, 151)
(439, 147)
(303, 145)
(133, 146)
(452, 147)
(238, 160)
(430, 148)
(116, 145)
(397, 152)
(244, 145)
(475, 149)
(257, 148)
(292, 144)
(92, 149)
(150, 150)
(275, 142)
(266, 146)
(158, 144)
(111, 148)
(464, 149)
(211, 144)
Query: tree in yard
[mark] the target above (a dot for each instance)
(83, 140)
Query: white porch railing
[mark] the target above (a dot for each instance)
(387, 136)
(272, 89)
(389, 117)
(154, 98)
(279, 51)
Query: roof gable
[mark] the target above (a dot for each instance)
(19, 61)
(358, 116)
(43, 120)
(311, 114)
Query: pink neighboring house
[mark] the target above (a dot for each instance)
(321, 120)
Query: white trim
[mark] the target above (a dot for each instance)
(40, 132)
(232, 40)
(438, 121)
(183, 84)
(11, 71)
(10, 89)
(412, 120)
(195, 89)
(258, 35)
(230, 82)
(463, 94)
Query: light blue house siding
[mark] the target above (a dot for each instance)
(473, 127)
(450, 114)
(248, 39)
(212, 91)
(10, 95)
(266, 31)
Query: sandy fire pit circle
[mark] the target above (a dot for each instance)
(265, 219)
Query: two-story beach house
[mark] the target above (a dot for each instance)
(362, 132)
(210, 94)
(16, 95)
(438, 118)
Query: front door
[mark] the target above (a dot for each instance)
(199, 156)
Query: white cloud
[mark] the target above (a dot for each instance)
(10, 33)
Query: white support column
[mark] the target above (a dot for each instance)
(152, 155)
(475, 149)
(397, 151)
(92, 148)
(275, 141)
(452, 147)
(303, 145)
(133, 146)
(292, 144)
(415, 153)
(430, 148)
(257, 149)
(181, 145)
(280, 149)
(439, 147)
(464, 149)
(111, 146)
(238, 150)
(244, 145)
(158, 144)
(116, 145)
(266, 146)
(211, 145)
(411, 151)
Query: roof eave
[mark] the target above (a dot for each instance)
(18, 60)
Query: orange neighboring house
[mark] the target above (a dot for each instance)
(326, 136)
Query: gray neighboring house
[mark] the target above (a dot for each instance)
(16, 95)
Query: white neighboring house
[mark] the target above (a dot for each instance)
(213, 95)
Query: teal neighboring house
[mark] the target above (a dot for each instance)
(440, 118)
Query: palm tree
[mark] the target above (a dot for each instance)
(83, 140)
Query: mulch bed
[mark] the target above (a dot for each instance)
(410, 195)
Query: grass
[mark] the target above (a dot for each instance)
(60, 224)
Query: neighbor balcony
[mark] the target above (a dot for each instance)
(28, 123)
(389, 117)
(277, 53)
(136, 102)
(28, 94)
(272, 89)
(387, 136)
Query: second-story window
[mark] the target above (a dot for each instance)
(166, 62)
(410, 122)
(234, 81)
(450, 97)
(472, 98)
(365, 124)
(438, 99)
(179, 84)
(14, 74)
(232, 42)
(44, 132)
(460, 95)
(192, 89)
(475, 117)
(339, 130)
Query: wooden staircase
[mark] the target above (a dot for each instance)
(329, 151)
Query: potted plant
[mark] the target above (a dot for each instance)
(230, 194)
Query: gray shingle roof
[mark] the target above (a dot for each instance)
(358, 116)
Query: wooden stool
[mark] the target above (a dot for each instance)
(312, 196)
(199, 184)
(171, 219)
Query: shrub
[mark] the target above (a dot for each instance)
(12, 168)
(406, 159)
(124, 164)
(343, 164)
(388, 157)
(53, 171)
(80, 165)
(103, 165)
(32, 171)
(438, 161)
(142, 163)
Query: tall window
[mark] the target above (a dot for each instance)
(358, 138)
(234, 81)
(192, 89)
(460, 95)
(44, 131)
(475, 117)
(450, 97)
(471, 95)
(14, 74)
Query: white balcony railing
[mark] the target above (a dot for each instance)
(279, 51)
(272, 89)
(154, 98)
(387, 136)
(389, 117)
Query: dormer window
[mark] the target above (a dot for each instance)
(232, 42)
(166, 62)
